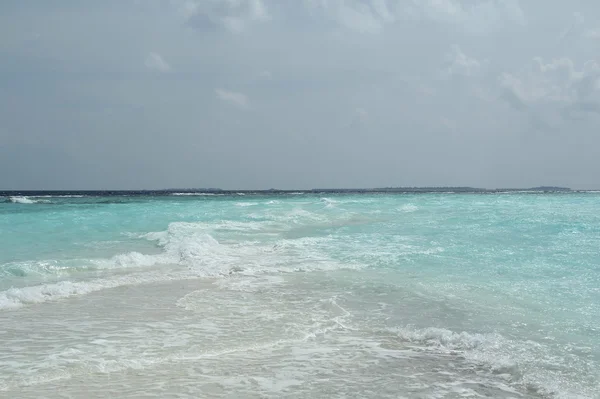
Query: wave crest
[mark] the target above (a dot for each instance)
(525, 363)
(26, 200)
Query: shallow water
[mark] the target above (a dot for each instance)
(433, 295)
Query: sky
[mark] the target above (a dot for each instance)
(299, 94)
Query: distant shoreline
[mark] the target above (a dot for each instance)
(214, 191)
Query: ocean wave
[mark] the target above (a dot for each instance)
(196, 194)
(528, 364)
(187, 247)
(15, 298)
(445, 340)
(258, 245)
(246, 204)
(61, 196)
(329, 203)
(41, 267)
(192, 245)
(26, 200)
(408, 208)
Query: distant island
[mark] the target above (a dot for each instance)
(471, 189)
(273, 191)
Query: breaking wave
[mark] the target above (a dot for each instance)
(15, 298)
(196, 194)
(26, 200)
(527, 364)
(188, 248)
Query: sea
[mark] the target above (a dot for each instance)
(300, 295)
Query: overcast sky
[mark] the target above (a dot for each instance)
(255, 94)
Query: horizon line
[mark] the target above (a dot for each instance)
(311, 190)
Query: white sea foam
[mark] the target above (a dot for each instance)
(191, 248)
(446, 340)
(408, 208)
(329, 203)
(14, 298)
(196, 194)
(26, 200)
(61, 196)
(191, 245)
(133, 260)
(245, 284)
(40, 267)
(245, 204)
(185, 244)
(528, 363)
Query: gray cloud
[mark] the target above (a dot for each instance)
(556, 84)
(593, 34)
(576, 25)
(372, 16)
(458, 63)
(156, 62)
(232, 15)
(232, 97)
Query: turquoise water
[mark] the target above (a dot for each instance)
(429, 295)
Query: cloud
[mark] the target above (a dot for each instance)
(556, 81)
(232, 97)
(368, 16)
(426, 90)
(358, 118)
(448, 123)
(266, 74)
(546, 90)
(580, 109)
(458, 63)
(592, 34)
(576, 24)
(155, 61)
(513, 92)
(475, 18)
(362, 16)
(231, 15)
(361, 114)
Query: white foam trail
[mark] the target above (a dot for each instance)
(25, 200)
(246, 204)
(190, 245)
(529, 363)
(185, 244)
(60, 196)
(249, 284)
(40, 267)
(192, 249)
(133, 260)
(15, 298)
(408, 208)
(196, 194)
(329, 203)
(445, 339)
